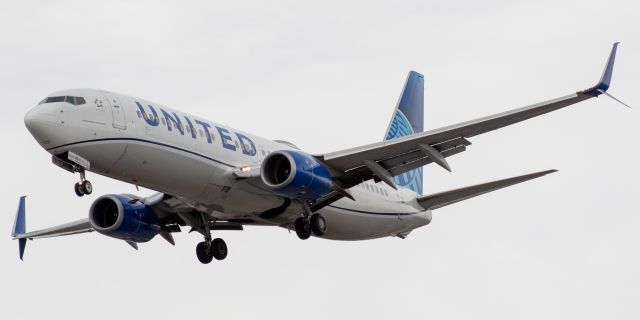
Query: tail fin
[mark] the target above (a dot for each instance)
(407, 119)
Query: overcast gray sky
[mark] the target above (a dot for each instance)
(326, 76)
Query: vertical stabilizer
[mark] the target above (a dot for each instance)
(407, 119)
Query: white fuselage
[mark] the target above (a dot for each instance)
(196, 160)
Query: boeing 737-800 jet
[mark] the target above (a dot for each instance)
(211, 177)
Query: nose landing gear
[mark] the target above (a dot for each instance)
(83, 186)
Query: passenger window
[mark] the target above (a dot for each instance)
(163, 122)
(139, 114)
(263, 154)
(200, 130)
(213, 138)
(80, 100)
(188, 129)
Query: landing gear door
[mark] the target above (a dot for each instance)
(117, 112)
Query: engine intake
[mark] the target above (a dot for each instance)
(123, 217)
(295, 174)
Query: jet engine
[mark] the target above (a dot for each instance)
(123, 217)
(295, 174)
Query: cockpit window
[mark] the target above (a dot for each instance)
(76, 101)
(54, 99)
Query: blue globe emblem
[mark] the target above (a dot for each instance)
(400, 127)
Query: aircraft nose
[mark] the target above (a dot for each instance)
(31, 119)
(41, 124)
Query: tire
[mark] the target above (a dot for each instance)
(78, 189)
(302, 229)
(201, 251)
(86, 187)
(219, 249)
(318, 225)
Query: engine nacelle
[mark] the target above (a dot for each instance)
(295, 174)
(123, 217)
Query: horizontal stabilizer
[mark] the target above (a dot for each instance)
(446, 198)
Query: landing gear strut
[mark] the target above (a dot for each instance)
(83, 186)
(209, 249)
(310, 224)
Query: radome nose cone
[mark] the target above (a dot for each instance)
(31, 120)
(41, 124)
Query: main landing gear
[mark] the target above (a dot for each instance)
(209, 249)
(83, 186)
(310, 224)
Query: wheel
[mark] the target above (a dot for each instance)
(219, 249)
(204, 253)
(318, 225)
(78, 189)
(302, 229)
(86, 187)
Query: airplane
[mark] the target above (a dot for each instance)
(210, 177)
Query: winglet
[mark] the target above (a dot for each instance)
(605, 81)
(19, 226)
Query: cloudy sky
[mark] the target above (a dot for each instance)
(326, 76)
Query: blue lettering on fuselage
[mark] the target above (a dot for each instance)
(149, 120)
(247, 145)
(226, 138)
(173, 121)
(191, 129)
(176, 121)
(206, 127)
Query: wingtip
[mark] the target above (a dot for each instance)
(19, 225)
(22, 244)
(545, 172)
(605, 80)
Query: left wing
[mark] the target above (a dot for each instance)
(19, 227)
(393, 157)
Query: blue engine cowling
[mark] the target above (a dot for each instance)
(295, 174)
(123, 217)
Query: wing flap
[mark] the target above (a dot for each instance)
(446, 198)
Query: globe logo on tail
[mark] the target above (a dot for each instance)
(400, 127)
